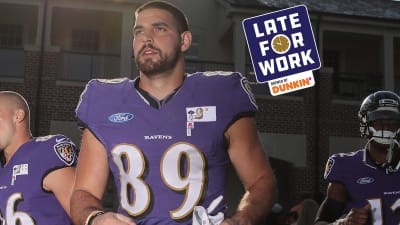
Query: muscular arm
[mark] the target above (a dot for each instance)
(61, 182)
(91, 178)
(253, 168)
(332, 207)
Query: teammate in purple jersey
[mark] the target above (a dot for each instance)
(168, 137)
(364, 186)
(36, 173)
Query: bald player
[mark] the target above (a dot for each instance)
(36, 173)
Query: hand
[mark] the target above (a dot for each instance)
(111, 218)
(356, 216)
(202, 216)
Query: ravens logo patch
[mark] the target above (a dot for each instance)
(65, 150)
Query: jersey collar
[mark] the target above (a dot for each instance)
(153, 102)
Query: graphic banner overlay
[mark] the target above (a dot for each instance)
(283, 49)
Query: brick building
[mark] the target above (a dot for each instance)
(49, 49)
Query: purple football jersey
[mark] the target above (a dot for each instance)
(22, 197)
(366, 183)
(166, 160)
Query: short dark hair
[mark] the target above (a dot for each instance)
(180, 17)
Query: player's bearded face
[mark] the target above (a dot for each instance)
(160, 62)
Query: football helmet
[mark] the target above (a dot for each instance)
(381, 106)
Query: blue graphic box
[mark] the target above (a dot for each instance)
(301, 54)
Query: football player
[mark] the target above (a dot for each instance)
(364, 186)
(167, 162)
(36, 173)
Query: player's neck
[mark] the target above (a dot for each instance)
(162, 85)
(15, 144)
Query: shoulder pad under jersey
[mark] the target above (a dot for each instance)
(220, 73)
(112, 81)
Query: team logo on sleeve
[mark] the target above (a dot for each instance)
(65, 150)
(247, 88)
(328, 167)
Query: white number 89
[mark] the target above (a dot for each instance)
(131, 164)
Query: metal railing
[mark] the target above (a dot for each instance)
(352, 86)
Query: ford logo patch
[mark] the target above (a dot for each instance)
(120, 117)
(365, 180)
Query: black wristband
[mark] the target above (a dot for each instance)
(330, 210)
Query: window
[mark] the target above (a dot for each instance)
(12, 56)
(11, 35)
(85, 40)
(331, 59)
(354, 74)
(85, 61)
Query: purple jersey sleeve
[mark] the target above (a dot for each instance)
(336, 166)
(232, 89)
(60, 151)
(99, 99)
